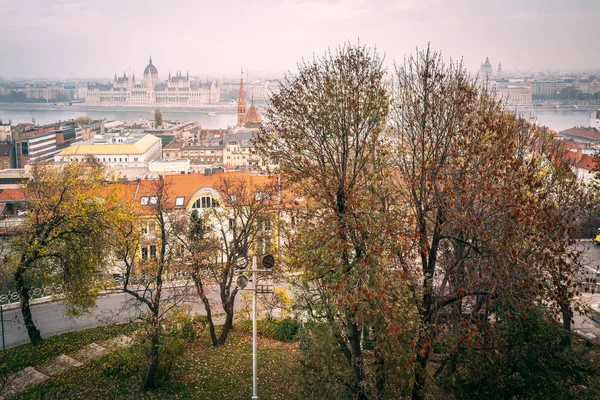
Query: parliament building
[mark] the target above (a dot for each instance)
(178, 90)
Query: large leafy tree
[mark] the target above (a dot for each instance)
(327, 122)
(71, 211)
(491, 208)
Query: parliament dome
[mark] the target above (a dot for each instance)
(150, 69)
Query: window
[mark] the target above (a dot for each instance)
(144, 201)
(267, 225)
(144, 253)
(231, 223)
(206, 202)
(262, 196)
(232, 198)
(153, 200)
(153, 251)
(179, 200)
(135, 159)
(152, 228)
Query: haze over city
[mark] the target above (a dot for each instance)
(85, 38)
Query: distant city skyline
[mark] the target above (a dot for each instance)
(86, 38)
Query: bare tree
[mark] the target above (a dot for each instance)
(148, 252)
(220, 239)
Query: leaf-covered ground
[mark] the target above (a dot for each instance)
(203, 372)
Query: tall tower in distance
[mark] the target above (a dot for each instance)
(486, 70)
(242, 102)
(499, 72)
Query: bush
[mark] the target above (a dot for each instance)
(126, 362)
(172, 348)
(287, 330)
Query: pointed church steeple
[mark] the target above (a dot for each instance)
(150, 59)
(169, 74)
(242, 102)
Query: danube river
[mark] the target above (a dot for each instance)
(49, 114)
(220, 118)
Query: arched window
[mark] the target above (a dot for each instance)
(206, 202)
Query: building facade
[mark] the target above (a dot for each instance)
(116, 151)
(177, 90)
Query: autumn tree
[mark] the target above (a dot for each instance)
(71, 212)
(158, 120)
(148, 251)
(220, 238)
(490, 206)
(327, 126)
(79, 121)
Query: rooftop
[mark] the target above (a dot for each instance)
(109, 144)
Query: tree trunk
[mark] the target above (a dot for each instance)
(357, 360)
(228, 307)
(211, 323)
(151, 377)
(423, 349)
(32, 331)
(566, 316)
(206, 302)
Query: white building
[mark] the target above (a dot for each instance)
(178, 90)
(116, 151)
(514, 95)
(595, 119)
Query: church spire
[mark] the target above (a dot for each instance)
(150, 59)
(242, 102)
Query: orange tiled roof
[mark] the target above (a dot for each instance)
(7, 195)
(187, 185)
(582, 133)
(586, 161)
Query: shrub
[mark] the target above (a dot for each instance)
(287, 330)
(126, 362)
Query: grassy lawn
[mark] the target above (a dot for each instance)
(19, 357)
(203, 372)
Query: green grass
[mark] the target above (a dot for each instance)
(25, 355)
(203, 372)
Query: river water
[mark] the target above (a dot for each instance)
(47, 115)
(555, 120)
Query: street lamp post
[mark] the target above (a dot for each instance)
(242, 281)
(254, 355)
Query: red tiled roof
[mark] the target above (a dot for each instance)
(187, 185)
(7, 195)
(582, 133)
(586, 161)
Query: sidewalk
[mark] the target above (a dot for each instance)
(583, 325)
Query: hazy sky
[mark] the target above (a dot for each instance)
(96, 38)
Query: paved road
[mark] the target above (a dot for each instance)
(118, 307)
(110, 308)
